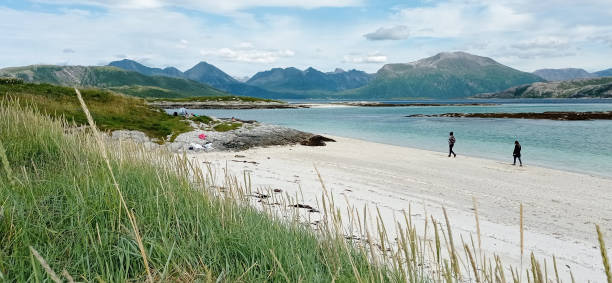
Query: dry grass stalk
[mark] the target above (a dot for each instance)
(472, 262)
(280, 266)
(130, 215)
(477, 224)
(556, 271)
(522, 228)
(46, 266)
(6, 165)
(604, 253)
(454, 260)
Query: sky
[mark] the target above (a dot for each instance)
(247, 36)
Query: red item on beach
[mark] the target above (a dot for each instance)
(202, 136)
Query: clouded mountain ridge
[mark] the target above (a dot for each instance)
(292, 79)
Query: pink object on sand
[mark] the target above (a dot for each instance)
(202, 136)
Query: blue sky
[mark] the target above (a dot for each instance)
(243, 37)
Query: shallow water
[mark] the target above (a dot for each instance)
(582, 146)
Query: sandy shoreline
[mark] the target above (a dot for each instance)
(561, 207)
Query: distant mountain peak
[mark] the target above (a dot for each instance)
(208, 73)
(442, 57)
(131, 65)
(444, 75)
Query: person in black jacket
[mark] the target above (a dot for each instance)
(517, 153)
(451, 143)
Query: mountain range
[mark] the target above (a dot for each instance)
(313, 81)
(555, 75)
(203, 73)
(579, 88)
(274, 83)
(112, 78)
(445, 75)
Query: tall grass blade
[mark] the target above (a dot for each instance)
(130, 215)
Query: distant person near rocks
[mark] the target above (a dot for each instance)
(517, 153)
(183, 111)
(451, 143)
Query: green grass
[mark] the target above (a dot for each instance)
(215, 98)
(201, 119)
(59, 205)
(110, 110)
(57, 197)
(227, 126)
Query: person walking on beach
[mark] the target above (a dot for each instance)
(517, 153)
(451, 143)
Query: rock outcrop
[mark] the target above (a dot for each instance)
(316, 140)
(570, 116)
(582, 88)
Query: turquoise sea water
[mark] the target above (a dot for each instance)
(582, 146)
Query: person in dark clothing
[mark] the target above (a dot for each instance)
(451, 143)
(517, 153)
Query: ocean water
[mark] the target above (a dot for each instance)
(580, 146)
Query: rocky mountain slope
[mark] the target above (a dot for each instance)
(445, 75)
(594, 88)
(563, 74)
(112, 78)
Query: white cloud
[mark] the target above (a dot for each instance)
(392, 33)
(182, 44)
(361, 59)
(208, 5)
(543, 42)
(521, 33)
(249, 54)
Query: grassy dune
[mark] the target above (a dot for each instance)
(57, 197)
(111, 111)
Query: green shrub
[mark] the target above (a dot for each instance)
(110, 110)
(226, 126)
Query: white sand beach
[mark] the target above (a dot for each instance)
(560, 207)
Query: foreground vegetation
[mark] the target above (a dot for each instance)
(110, 110)
(60, 206)
(71, 207)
